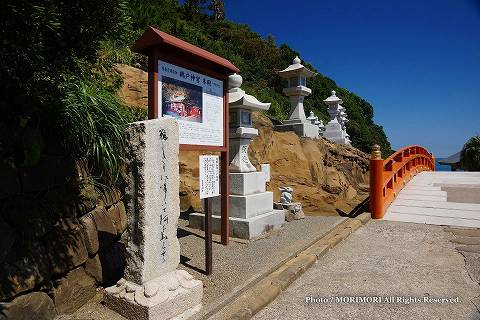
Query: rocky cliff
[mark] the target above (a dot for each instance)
(325, 176)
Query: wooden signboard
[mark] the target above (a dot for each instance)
(190, 84)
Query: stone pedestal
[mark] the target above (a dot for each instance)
(152, 288)
(251, 208)
(302, 129)
(334, 132)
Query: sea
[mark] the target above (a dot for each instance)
(442, 167)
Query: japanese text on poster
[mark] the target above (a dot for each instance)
(209, 176)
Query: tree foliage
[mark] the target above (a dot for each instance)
(49, 58)
(470, 155)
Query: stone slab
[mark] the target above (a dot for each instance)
(420, 187)
(437, 204)
(247, 183)
(433, 220)
(248, 206)
(440, 212)
(243, 228)
(464, 232)
(467, 240)
(434, 193)
(421, 197)
(364, 217)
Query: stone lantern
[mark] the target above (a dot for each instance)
(312, 118)
(335, 130)
(251, 206)
(296, 91)
(241, 130)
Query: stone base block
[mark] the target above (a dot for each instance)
(294, 210)
(174, 295)
(247, 183)
(334, 133)
(243, 228)
(336, 139)
(248, 206)
(302, 129)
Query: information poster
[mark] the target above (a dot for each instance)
(209, 176)
(195, 100)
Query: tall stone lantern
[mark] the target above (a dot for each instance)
(334, 130)
(296, 91)
(242, 132)
(251, 206)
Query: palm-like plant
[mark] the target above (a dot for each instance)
(470, 155)
(93, 125)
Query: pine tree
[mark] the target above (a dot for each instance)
(218, 9)
(194, 7)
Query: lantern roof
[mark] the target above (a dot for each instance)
(238, 98)
(296, 69)
(333, 99)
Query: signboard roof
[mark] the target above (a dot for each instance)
(153, 37)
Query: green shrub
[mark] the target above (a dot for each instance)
(93, 123)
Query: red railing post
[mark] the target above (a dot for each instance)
(376, 183)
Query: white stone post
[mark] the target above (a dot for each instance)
(152, 287)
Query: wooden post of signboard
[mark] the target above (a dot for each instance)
(158, 46)
(208, 236)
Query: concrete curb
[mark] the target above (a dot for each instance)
(266, 290)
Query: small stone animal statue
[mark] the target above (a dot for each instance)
(285, 195)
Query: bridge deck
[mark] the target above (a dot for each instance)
(439, 198)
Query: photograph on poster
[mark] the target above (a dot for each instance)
(182, 100)
(195, 100)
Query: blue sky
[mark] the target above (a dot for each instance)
(416, 62)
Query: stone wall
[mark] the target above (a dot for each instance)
(57, 244)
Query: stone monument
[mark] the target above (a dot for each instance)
(335, 130)
(251, 206)
(297, 90)
(152, 287)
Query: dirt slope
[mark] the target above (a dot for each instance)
(324, 176)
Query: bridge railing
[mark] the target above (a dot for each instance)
(389, 176)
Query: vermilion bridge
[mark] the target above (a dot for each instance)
(405, 187)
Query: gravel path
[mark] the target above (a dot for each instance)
(385, 259)
(238, 264)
